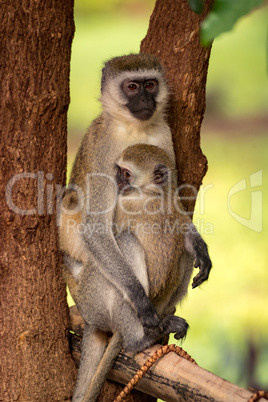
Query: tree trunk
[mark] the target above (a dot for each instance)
(35, 38)
(173, 36)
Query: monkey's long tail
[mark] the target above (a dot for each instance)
(106, 363)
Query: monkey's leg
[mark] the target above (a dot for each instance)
(185, 268)
(141, 337)
(171, 323)
(93, 347)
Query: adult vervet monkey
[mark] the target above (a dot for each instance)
(134, 96)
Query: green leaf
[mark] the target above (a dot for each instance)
(197, 5)
(223, 16)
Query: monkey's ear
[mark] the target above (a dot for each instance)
(160, 174)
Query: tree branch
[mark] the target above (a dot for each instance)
(172, 378)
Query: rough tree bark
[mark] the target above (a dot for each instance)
(174, 36)
(35, 38)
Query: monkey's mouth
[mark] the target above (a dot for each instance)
(143, 114)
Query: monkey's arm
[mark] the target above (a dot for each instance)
(195, 245)
(114, 267)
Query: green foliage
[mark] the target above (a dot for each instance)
(223, 16)
(237, 77)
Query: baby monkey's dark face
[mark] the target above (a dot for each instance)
(144, 179)
(141, 96)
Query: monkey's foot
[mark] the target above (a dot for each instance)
(173, 324)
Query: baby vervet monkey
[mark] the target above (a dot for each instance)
(134, 97)
(149, 207)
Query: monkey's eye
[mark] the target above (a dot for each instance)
(149, 85)
(132, 86)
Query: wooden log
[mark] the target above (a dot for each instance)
(172, 378)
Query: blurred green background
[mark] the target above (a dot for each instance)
(228, 316)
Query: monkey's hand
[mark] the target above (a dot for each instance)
(197, 247)
(204, 263)
(173, 324)
(147, 313)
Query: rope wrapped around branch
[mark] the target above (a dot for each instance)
(148, 364)
(258, 395)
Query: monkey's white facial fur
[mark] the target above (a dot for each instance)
(119, 103)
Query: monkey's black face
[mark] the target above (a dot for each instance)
(141, 95)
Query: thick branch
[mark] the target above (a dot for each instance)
(175, 379)
(172, 378)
